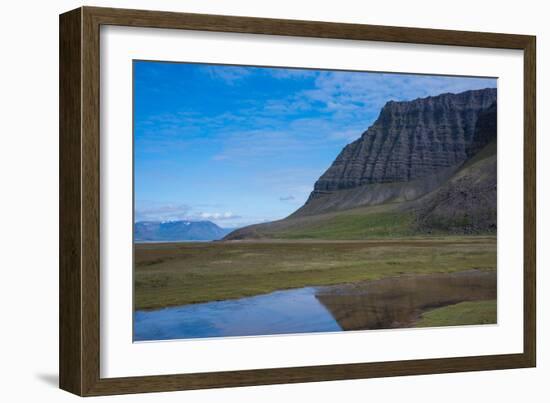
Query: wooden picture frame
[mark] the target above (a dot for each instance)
(79, 346)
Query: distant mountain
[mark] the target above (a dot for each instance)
(424, 166)
(171, 231)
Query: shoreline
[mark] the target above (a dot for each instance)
(322, 288)
(174, 274)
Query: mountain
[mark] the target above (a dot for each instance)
(424, 166)
(410, 149)
(169, 231)
(467, 202)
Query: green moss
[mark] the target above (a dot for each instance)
(464, 313)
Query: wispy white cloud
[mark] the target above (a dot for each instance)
(153, 211)
(355, 93)
(339, 107)
(286, 106)
(293, 74)
(228, 74)
(250, 145)
(150, 211)
(228, 215)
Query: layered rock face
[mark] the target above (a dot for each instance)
(410, 141)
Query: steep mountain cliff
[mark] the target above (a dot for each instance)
(414, 146)
(424, 166)
(467, 202)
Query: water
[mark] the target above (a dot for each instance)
(280, 312)
(397, 302)
(388, 303)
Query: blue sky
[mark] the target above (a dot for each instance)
(240, 145)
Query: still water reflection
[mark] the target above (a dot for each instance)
(398, 301)
(388, 303)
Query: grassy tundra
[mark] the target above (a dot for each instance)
(183, 273)
(463, 313)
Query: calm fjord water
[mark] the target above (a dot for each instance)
(280, 312)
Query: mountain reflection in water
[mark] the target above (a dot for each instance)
(398, 301)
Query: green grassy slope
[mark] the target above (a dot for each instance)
(464, 313)
(362, 223)
(354, 225)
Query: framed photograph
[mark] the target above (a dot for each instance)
(250, 201)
